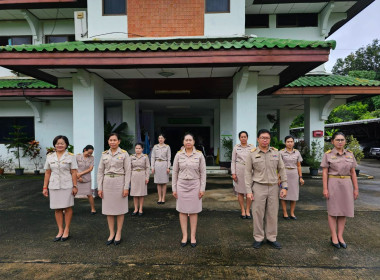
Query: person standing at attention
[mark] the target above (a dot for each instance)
(261, 168)
(60, 183)
(189, 185)
(113, 186)
(85, 166)
(239, 154)
(161, 157)
(340, 187)
(292, 160)
(139, 178)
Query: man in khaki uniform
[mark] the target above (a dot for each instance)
(261, 181)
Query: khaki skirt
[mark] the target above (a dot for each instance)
(113, 202)
(138, 186)
(161, 175)
(293, 185)
(239, 186)
(62, 198)
(188, 201)
(84, 188)
(341, 197)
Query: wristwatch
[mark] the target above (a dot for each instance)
(284, 188)
(75, 187)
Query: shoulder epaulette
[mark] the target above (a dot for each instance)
(329, 151)
(49, 153)
(249, 145)
(78, 154)
(179, 151)
(166, 145)
(236, 145)
(254, 149)
(199, 151)
(146, 155)
(105, 151)
(71, 154)
(295, 149)
(273, 148)
(123, 151)
(350, 151)
(155, 145)
(283, 149)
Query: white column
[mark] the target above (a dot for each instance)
(262, 123)
(216, 130)
(245, 103)
(285, 118)
(88, 115)
(225, 125)
(129, 116)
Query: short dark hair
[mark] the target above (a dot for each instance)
(188, 133)
(161, 134)
(288, 137)
(336, 134)
(262, 131)
(114, 134)
(64, 138)
(140, 144)
(88, 147)
(243, 131)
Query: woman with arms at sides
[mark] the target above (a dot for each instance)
(340, 187)
(60, 183)
(189, 184)
(139, 178)
(85, 166)
(113, 186)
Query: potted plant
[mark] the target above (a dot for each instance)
(33, 151)
(354, 146)
(5, 164)
(313, 157)
(227, 143)
(17, 143)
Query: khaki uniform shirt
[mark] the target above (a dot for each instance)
(339, 165)
(239, 154)
(189, 167)
(117, 164)
(140, 164)
(291, 159)
(262, 168)
(60, 177)
(161, 153)
(85, 163)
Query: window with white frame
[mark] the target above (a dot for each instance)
(217, 6)
(114, 7)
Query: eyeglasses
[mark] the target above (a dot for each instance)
(264, 138)
(339, 140)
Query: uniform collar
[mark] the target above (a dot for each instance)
(118, 151)
(269, 149)
(335, 151)
(240, 145)
(184, 150)
(293, 151)
(62, 157)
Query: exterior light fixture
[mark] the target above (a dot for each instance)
(166, 74)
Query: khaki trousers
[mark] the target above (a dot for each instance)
(265, 207)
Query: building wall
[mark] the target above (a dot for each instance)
(105, 27)
(226, 24)
(226, 126)
(57, 119)
(165, 18)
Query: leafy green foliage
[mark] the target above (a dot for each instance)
(278, 144)
(227, 143)
(314, 155)
(347, 112)
(354, 147)
(17, 142)
(126, 142)
(298, 121)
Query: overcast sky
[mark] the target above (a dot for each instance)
(358, 32)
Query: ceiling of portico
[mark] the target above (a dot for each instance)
(63, 13)
(290, 8)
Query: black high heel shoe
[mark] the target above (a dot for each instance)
(343, 245)
(183, 244)
(109, 242)
(63, 239)
(57, 238)
(336, 245)
(117, 242)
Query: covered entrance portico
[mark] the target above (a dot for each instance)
(210, 85)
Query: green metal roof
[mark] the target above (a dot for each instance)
(172, 45)
(26, 83)
(330, 81)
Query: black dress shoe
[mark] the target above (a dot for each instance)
(286, 218)
(93, 213)
(158, 202)
(336, 245)
(141, 213)
(274, 244)
(183, 244)
(57, 238)
(193, 245)
(257, 244)
(109, 242)
(134, 213)
(163, 202)
(63, 239)
(248, 217)
(293, 217)
(343, 245)
(117, 242)
(243, 216)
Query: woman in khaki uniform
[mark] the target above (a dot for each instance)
(161, 156)
(139, 178)
(85, 166)
(292, 160)
(61, 183)
(239, 154)
(338, 178)
(113, 186)
(189, 184)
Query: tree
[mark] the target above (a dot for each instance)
(366, 58)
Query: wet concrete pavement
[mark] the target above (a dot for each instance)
(150, 247)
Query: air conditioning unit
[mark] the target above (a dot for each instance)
(80, 22)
